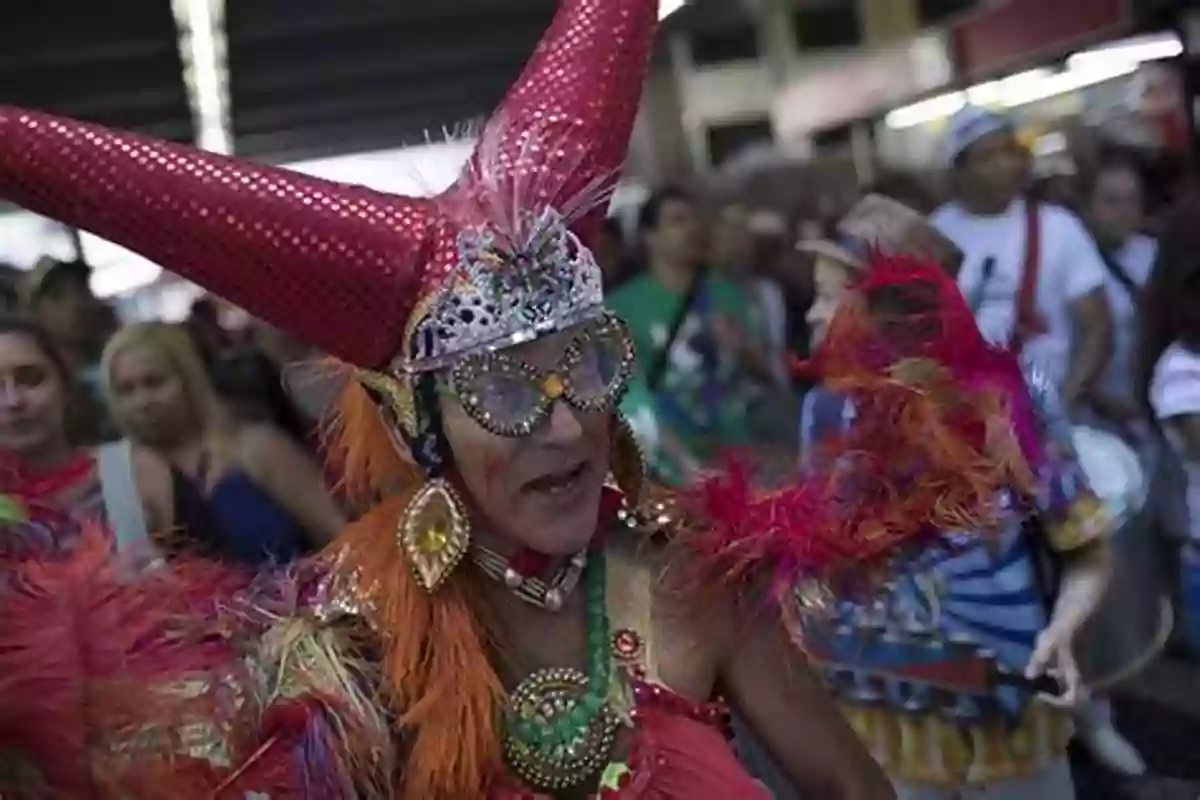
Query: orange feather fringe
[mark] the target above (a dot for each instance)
(435, 668)
(362, 450)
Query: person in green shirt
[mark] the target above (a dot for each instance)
(693, 381)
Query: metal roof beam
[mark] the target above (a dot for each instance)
(478, 94)
(266, 72)
(383, 130)
(201, 25)
(263, 22)
(50, 55)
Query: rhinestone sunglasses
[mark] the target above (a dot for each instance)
(510, 397)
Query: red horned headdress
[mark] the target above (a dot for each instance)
(345, 267)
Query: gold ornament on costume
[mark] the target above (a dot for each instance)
(435, 533)
(397, 393)
(628, 461)
(547, 695)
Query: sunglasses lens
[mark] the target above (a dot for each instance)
(508, 399)
(598, 372)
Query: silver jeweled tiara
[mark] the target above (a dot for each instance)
(505, 292)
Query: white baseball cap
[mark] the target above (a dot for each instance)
(968, 125)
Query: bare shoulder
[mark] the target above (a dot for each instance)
(694, 623)
(149, 468)
(260, 445)
(259, 435)
(153, 479)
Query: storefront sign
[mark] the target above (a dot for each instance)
(1007, 35)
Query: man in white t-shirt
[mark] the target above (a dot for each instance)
(1059, 317)
(1065, 327)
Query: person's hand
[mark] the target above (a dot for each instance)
(1053, 655)
(729, 334)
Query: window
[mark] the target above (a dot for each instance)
(832, 138)
(822, 27)
(933, 12)
(738, 43)
(726, 141)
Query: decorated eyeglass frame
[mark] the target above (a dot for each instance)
(510, 397)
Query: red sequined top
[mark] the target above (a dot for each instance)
(676, 747)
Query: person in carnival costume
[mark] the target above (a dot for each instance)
(939, 674)
(499, 623)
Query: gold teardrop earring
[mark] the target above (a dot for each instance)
(434, 530)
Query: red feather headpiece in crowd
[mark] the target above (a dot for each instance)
(933, 442)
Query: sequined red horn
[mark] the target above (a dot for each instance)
(560, 135)
(337, 265)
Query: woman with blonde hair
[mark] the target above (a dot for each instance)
(260, 495)
(125, 487)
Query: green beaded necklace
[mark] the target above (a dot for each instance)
(559, 727)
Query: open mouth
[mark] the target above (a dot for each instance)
(559, 482)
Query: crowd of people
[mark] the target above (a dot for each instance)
(518, 595)
(184, 428)
(1099, 295)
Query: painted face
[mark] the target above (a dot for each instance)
(33, 396)
(830, 278)
(530, 431)
(148, 396)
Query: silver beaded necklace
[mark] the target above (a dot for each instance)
(550, 595)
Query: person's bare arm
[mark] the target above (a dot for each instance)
(152, 477)
(1086, 571)
(291, 477)
(752, 357)
(769, 682)
(1091, 344)
(759, 364)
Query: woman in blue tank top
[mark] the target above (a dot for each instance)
(261, 495)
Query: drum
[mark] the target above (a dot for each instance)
(1135, 618)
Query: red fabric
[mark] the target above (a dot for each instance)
(1003, 34)
(342, 266)
(18, 480)
(682, 757)
(1028, 322)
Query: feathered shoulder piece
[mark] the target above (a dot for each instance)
(931, 446)
(120, 677)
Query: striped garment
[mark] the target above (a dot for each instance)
(921, 671)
